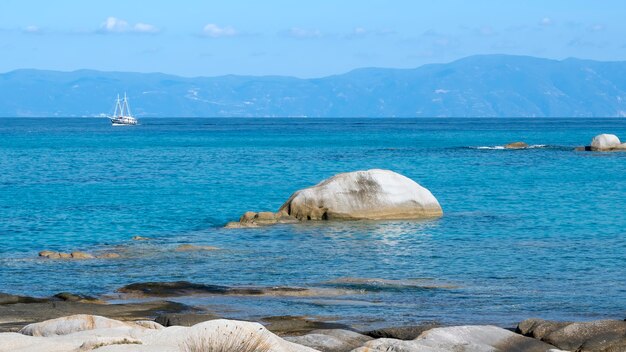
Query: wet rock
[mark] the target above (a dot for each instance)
(289, 325)
(334, 340)
(184, 319)
(516, 145)
(185, 288)
(6, 298)
(72, 297)
(65, 255)
(402, 332)
(168, 289)
(601, 335)
(194, 248)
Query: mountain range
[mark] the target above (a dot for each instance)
(475, 86)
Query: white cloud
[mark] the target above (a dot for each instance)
(117, 25)
(359, 31)
(302, 33)
(31, 29)
(596, 28)
(145, 28)
(214, 31)
(546, 21)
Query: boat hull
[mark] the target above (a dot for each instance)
(126, 121)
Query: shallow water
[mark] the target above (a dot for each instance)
(537, 232)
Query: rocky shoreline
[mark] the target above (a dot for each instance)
(70, 322)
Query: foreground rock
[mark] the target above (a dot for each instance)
(402, 332)
(89, 332)
(360, 195)
(601, 335)
(334, 340)
(516, 145)
(479, 338)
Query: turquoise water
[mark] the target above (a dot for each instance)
(526, 233)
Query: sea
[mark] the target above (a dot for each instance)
(537, 232)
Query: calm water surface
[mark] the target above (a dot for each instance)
(526, 233)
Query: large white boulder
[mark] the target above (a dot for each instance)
(605, 142)
(115, 336)
(78, 322)
(374, 195)
(469, 338)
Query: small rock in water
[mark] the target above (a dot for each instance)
(194, 248)
(516, 145)
(108, 256)
(81, 255)
(50, 254)
(141, 238)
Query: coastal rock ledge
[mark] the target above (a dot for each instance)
(359, 195)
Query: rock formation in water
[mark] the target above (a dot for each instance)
(604, 143)
(360, 195)
(516, 145)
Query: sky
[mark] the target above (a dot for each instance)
(298, 38)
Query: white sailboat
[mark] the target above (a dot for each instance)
(122, 115)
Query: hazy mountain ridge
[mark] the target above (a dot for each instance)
(489, 85)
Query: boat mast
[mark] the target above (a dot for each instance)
(126, 106)
(118, 107)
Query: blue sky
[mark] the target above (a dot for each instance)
(298, 38)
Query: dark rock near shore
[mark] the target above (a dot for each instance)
(600, 335)
(71, 297)
(402, 332)
(184, 319)
(176, 288)
(6, 298)
(185, 288)
(298, 325)
(17, 315)
(331, 340)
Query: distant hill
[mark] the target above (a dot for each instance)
(487, 85)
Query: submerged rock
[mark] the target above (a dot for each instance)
(141, 238)
(194, 248)
(516, 145)
(360, 195)
(76, 255)
(601, 335)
